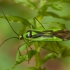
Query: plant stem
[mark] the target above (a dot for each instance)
(37, 57)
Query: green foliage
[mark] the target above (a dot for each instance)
(63, 52)
(23, 47)
(27, 3)
(46, 57)
(57, 16)
(68, 1)
(31, 68)
(26, 57)
(17, 19)
(43, 9)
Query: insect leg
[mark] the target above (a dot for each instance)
(27, 49)
(20, 49)
(27, 44)
(38, 21)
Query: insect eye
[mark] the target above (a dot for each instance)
(29, 35)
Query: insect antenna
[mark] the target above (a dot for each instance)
(8, 21)
(7, 40)
(40, 22)
(10, 26)
(14, 32)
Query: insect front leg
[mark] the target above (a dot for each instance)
(19, 57)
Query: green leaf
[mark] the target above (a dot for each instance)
(31, 68)
(42, 2)
(18, 20)
(57, 16)
(65, 52)
(66, 17)
(54, 26)
(68, 1)
(47, 57)
(57, 7)
(43, 9)
(26, 56)
(51, 14)
(27, 3)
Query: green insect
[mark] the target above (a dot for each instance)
(33, 35)
(41, 35)
(47, 35)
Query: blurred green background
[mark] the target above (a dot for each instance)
(8, 49)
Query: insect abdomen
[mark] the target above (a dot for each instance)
(63, 34)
